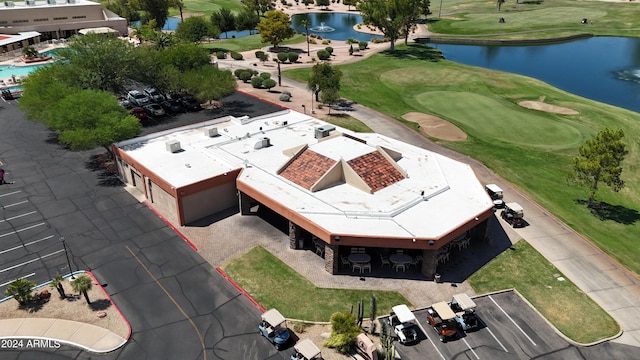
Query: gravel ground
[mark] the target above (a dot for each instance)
(74, 307)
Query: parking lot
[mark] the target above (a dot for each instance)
(29, 247)
(509, 329)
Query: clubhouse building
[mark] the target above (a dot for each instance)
(337, 189)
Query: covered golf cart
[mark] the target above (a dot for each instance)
(495, 192)
(404, 324)
(273, 326)
(513, 213)
(465, 309)
(442, 319)
(305, 350)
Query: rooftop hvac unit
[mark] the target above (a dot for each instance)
(263, 143)
(52, 2)
(71, 1)
(30, 2)
(211, 131)
(323, 131)
(9, 4)
(173, 146)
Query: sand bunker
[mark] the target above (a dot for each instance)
(435, 127)
(537, 105)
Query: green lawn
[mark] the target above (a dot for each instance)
(531, 149)
(247, 43)
(569, 309)
(348, 122)
(273, 284)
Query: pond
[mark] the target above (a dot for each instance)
(605, 69)
(334, 26)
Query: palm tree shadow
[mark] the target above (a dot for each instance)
(101, 304)
(416, 51)
(617, 213)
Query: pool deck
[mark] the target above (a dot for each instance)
(8, 80)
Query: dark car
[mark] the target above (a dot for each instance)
(172, 106)
(190, 103)
(125, 103)
(139, 113)
(154, 109)
(154, 94)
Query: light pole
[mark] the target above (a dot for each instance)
(64, 245)
(440, 10)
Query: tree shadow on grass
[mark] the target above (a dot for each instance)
(617, 213)
(416, 51)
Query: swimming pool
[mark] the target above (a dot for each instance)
(7, 70)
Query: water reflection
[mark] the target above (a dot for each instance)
(343, 24)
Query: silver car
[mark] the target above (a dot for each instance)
(138, 98)
(154, 109)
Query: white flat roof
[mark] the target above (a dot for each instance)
(307, 348)
(464, 301)
(273, 317)
(435, 197)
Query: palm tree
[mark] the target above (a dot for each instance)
(82, 284)
(20, 289)
(29, 52)
(305, 23)
(56, 283)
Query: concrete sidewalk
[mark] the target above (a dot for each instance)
(41, 333)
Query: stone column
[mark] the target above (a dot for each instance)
(480, 233)
(245, 203)
(429, 263)
(330, 258)
(294, 235)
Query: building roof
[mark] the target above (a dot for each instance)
(30, 4)
(11, 39)
(348, 183)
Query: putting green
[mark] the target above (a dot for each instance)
(533, 19)
(488, 118)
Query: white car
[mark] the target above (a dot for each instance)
(138, 98)
(154, 110)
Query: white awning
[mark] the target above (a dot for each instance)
(493, 187)
(403, 313)
(98, 30)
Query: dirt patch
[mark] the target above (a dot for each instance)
(436, 127)
(319, 334)
(541, 106)
(100, 313)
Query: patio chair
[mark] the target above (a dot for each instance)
(397, 267)
(319, 250)
(355, 266)
(385, 261)
(414, 262)
(366, 266)
(345, 261)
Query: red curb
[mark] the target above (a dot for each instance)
(193, 246)
(112, 303)
(239, 289)
(265, 100)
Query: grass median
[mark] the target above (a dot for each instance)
(561, 302)
(274, 284)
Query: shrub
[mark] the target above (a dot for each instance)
(323, 55)
(352, 41)
(221, 54)
(256, 82)
(318, 37)
(363, 45)
(268, 83)
(329, 50)
(20, 289)
(326, 42)
(236, 55)
(288, 93)
(265, 75)
(293, 57)
(312, 41)
(259, 54)
(285, 97)
(237, 72)
(245, 75)
(283, 56)
(264, 57)
(344, 332)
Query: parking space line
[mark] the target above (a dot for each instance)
(470, 348)
(491, 332)
(514, 323)
(20, 230)
(30, 261)
(11, 193)
(431, 341)
(15, 204)
(20, 277)
(26, 244)
(18, 216)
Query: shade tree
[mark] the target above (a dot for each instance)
(275, 28)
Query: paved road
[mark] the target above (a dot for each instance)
(179, 307)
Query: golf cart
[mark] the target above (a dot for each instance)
(274, 328)
(495, 192)
(513, 214)
(404, 324)
(465, 309)
(443, 320)
(305, 350)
